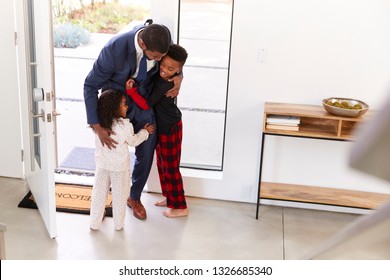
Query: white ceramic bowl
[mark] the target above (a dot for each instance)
(334, 105)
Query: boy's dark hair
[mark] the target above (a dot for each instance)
(177, 53)
(108, 107)
(157, 38)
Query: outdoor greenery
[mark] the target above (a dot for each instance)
(69, 36)
(73, 20)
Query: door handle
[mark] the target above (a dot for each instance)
(41, 115)
(56, 113)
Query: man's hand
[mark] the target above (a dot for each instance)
(173, 92)
(104, 136)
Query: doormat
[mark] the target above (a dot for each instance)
(70, 199)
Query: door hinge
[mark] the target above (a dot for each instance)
(22, 155)
(16, 38)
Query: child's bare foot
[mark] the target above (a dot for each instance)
(161, 203)
(174, 213)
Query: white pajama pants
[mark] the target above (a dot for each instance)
(119, 181)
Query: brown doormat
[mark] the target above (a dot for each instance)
(70, 199)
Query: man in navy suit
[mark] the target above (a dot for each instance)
(118, 61)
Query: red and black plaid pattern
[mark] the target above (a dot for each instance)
(168, 153)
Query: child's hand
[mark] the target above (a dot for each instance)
(150, 128)
(130, 83)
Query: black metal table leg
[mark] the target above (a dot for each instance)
(260, 171)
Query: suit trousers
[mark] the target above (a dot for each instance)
(144, 152)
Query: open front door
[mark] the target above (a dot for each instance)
(38, 104)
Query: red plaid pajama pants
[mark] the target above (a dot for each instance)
(168, 153)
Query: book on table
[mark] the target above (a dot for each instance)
(283, 120)
(282, 127)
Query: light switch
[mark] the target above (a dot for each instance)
(262, 55)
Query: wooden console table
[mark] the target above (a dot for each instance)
(315, 123)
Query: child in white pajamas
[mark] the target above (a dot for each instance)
(113, 165)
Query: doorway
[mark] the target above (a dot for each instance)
(203, 109)
(75, 139)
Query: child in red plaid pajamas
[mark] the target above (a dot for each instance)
(169, 130)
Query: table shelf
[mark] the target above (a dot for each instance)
(323, 195)
(315, 122)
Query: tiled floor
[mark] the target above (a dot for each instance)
(213, 230)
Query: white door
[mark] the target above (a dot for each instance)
(37, 104)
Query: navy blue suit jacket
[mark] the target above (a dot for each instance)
(115, 65)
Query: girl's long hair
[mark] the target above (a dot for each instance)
(108, 107)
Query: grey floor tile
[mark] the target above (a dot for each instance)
(214, 230)
(305, 229)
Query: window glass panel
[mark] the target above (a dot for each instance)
(204, 30)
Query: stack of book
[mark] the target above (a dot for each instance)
(281, 122)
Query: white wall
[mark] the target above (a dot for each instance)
(314, 50)
(10, 141)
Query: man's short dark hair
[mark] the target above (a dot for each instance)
(177, 53)
(157, 38)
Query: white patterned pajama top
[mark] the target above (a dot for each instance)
(113, 171)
